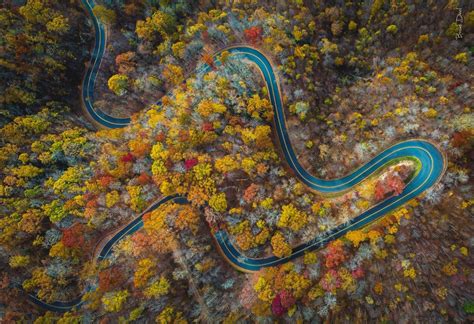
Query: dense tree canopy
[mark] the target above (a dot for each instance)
(355, 78)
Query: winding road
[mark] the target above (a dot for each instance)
(431, 159)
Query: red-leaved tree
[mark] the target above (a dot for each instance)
(391, 184)
(73, 236)
(253, 34)
(110, 279)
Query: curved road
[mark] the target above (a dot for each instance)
(431, 159)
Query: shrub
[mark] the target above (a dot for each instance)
(461, 57)
(423, 38)
(352, 25)
(392, 29)
(468, 307)
(452, 30)
(469, 20)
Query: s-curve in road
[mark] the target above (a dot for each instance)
(431, 160)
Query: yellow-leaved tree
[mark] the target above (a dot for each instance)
(280, 246)
(292, 218)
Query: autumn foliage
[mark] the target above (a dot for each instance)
(335, 254)
(463, 138)
(110, 279)
(391, 184)
(210, 138)
(74, 236)
(253, 34)
(208, 59)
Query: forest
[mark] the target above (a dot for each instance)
(355, 78)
